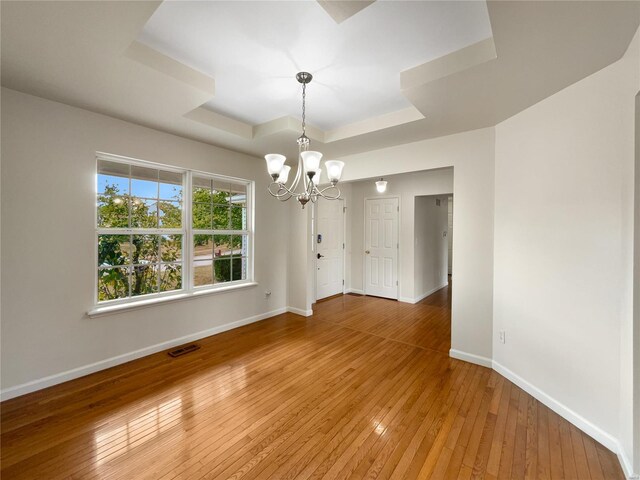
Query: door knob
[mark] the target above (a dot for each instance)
(367, 252)
(320, 256)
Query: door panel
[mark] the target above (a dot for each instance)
(329, 267)
(381, 247)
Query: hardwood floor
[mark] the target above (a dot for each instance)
(363, 389)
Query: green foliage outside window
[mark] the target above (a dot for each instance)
(137, 258)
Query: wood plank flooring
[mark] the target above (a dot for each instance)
(363, 389)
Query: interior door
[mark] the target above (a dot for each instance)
(329, 248)
(381, 247)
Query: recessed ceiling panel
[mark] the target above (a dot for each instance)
(254, 49)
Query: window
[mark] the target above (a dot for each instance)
(155, 239)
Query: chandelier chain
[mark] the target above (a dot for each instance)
(304, 97)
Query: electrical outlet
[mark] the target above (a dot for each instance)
(502, 335)
(267, 293)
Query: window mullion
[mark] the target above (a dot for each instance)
(187, 247)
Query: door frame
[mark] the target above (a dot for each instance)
(315, 246)
(364, 241)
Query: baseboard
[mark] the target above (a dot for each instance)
(625, 463)
(423, 296)
(565, 412)
(299, 311)
(57, 378)
(471, 358)
(354, 290)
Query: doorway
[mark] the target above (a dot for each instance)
(329, 248)
(381, 245)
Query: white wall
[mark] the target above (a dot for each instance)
(471, 154)
(430, 259)
(633, 437)
(48, 210)
(564, 246)
(450, 231)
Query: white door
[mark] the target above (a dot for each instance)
(381, 247)
(329, 248)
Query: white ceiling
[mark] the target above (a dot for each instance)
(86, 54)
(253, 50)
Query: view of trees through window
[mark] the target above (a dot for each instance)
(141, 232)
(219, 206)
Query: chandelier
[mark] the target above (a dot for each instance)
(309, 170)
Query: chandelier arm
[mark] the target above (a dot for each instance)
(281, 192)
(329, 188)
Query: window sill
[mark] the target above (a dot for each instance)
(150, 302)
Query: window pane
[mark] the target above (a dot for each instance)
(202, 272)
(113, 283)
(201, 189)
(238, 218)
(170, 214)
(220, 217)
(113, 212)
(240, 245)
(202, 215)
(144, 213)
(222, 270)
(170, 277)
(221, 246)
(171, 248)
(239, 195)
(145, 249)
(144, 279)
(202, 260)
(239, 268)
(113, 178)
(114, 250)
(221, 192)
(170, 186)
(144, 182)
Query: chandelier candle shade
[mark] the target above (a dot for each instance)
(309, 169)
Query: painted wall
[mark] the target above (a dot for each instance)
(431, 252)
(450, 232)
(633, 436)
(407, 187)
(471, 154)
(48, 210)
(564, 246)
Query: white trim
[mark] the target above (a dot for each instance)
(606, 439)
(354, 290)
(625, 462)
(423, 296)
(299, 311)
(471, 358)
(57, 378)
(170, 297)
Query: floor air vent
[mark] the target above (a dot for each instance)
(184, 350)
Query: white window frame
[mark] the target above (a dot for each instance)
(187, 231)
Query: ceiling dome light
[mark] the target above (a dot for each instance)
(381, 186)
(309, 168)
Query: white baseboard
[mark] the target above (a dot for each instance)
(354, 290)
(39, 384)
(423, 296)
(470, 357)
(299, 311)
(565, 412)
